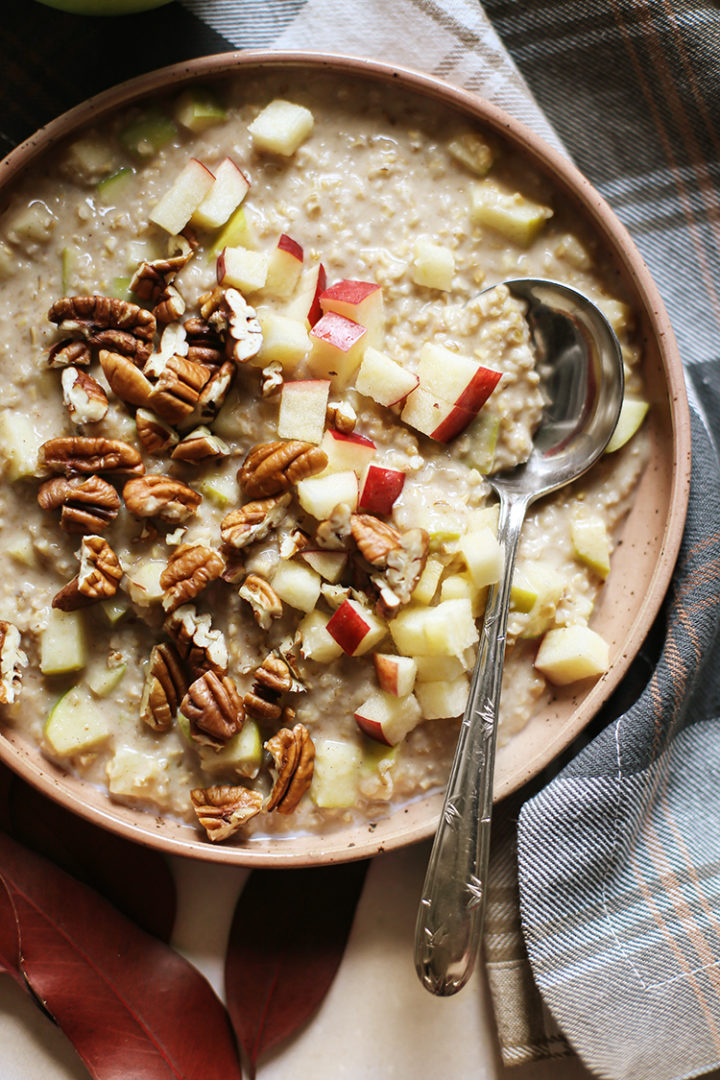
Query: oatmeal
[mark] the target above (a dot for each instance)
(257, 365)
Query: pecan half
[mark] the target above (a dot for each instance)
(262, 598)
(105, 322)
(160, 496)
(271, 468)
(375, 539)
(72, 454)
(222, 810)
(165, 686)
(170, 307)
(277, 675)
(253, 521)
(341, 416)
(190, 569)
(214, 709)
(151, 279)
(245, 336)
(293, 752)
(86, 506)
(98, 578)
(199, 646)
(155, 435)
(177, 391)
(126, 379)
(12, 661)
(205, 344)
(200, 445)
(84, 397)
(263, 707)
(214, 392)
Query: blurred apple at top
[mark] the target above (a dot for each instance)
(104, 7)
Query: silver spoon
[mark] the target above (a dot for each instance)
(582, 370)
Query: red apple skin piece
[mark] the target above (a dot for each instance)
(372, 729)
(350, 292)
(347, 628)
(315, 313)
(380, 488)
(286, 243)
(341, 436)
(478, 389)
(386, 670)
(338, 331)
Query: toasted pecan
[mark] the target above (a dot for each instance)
(293, 752)
(72, 454)
(155, 435)
(253, 521)
(199, 645)
(126, 380)
(98, 578)
(177, 390)
(190, 569)
(165, 686)
(162, 497)
(214, 709)
(262, 598)
(271, 468)
(86, 505)
(83, 396)
(223, 809)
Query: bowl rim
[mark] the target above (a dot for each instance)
(49, 778)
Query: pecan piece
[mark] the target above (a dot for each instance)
(341, 416)
(72, 454)
(165, 686)
(272, 379)
(263, 707)
(104, 322)
(151, 279)
(126, 379)
(214, 709)
(84, 397)
(253, 521)
(277, 674)
(177, 391)
(173, 342)
(222, 810)
(293, 752)
(190, 569)
(205, 344)
(199, 646)
(245, 335)
(155, 435)
(86, 506)
(406, 563)
(375, 538)
(160, 496)
(214, 392)
(262, 598)
(12, 661)
(200, 445)
(170, 307)
(334, 533)
(98, 578)
(271, 468)
(69, 351)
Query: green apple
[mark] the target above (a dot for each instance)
(632, 414)
(76, 724)
(569, 653)
(104, 7)
(63, 645)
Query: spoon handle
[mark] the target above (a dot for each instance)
(452, 909)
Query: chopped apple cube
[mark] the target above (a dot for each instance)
(380, 489)
(591, 542)
(456, 378)
(281, 127)
(319, 495)
(445, 630)
(433, 265)
(523, 593)
(297, 584)
(632, 414)
(284, 268)
(315, 642)
(438, 419)
(238, 232)
(63, 647)
(143, 582)
(225, 195)
(483, 556)
(337, 346)
(242, 754)
(442, 699)
(484, 517)
(133, 772)
(395, 674)
(305, 304)
(76, 724)
(383, 379)
(570, 653)
(517, 218)
(179, 202)
(424, 591)
(386, 718)
(355, 628)
(472, 151)
(221, 490)
(285, 341)
(346, 452)
(243, 269)
(198, 109)
(336, 774)
(361, 301)
(103, 679)
(549, 586)
(114, 609)
(303, 406)
(19, 445)
(328, 564)
(462, 587)
(438, 668)
(146, 134)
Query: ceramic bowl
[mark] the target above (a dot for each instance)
(642, 564)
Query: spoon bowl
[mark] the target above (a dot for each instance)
(581, 368)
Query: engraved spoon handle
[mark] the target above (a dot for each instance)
(452, 909)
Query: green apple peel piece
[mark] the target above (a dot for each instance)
(63, 647)
(76, 724)
(146, 135)
(198, 108)
(632, 414)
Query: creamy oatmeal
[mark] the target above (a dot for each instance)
(256, 367)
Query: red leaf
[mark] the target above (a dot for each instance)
(133, 878)
(286, 942)
(130, 1005)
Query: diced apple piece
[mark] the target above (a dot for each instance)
(443, 523)
(433, 265)
(221, 489)
(380, 489)
(297, 585)
(471, 150)
(76, 724)
(355, 628)
(444, 630)
(337, 346)
(103, 679)
(442, 699)
(198, 109)
(591, 542)
(395, 674)
(315, 642)
(303, 406)
(225, 195)
(22, 550)
(143, 582)
(146, 134)
(336, 774)
(456, 378)
(134, 773)
(632, 414)
(185, 194)
(523, 594)
(345, 452)
(284, 268)
(438, 668)
(434, 417)
(242, 754)
(285, 341)
(238, 232)
(19, 445)
(319, 495)
(243, 269)
(424, 591)
(483, 556)
(305, 304)
(517, 218)
(386, 718)
(281, 127)
(63, 647)
(462, 587)
(114, 609)
(480, 453)
(484, 517)
(570, 653)
(361, 301)
(549, 586)
(328, 564)
(383, 379)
